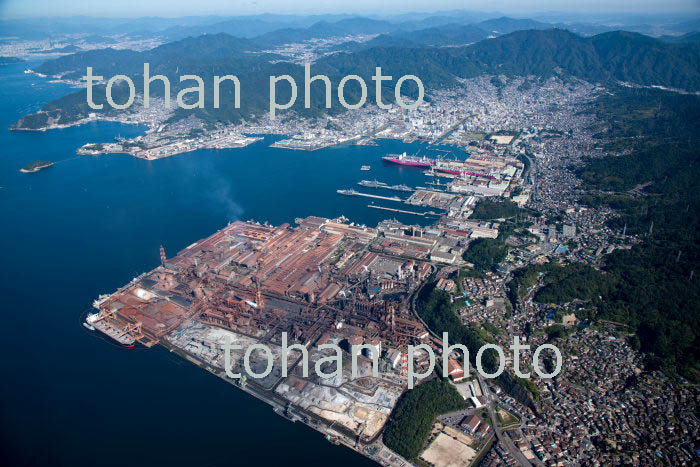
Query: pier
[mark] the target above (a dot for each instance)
(357, 193)
(403, 211)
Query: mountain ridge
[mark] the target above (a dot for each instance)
(617, 56)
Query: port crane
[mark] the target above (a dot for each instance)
(105, 314)
(129, 329)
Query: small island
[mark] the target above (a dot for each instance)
(36, 166)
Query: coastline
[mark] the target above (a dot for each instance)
(333, 433)
(299, 134)
(41, 166)
(82, 121)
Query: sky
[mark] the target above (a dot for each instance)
(175, 8)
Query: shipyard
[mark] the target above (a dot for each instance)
(323, 284)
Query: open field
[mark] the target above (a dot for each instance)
(445, 451)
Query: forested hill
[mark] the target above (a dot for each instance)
(653, 287)
(620, 55)
(608, 57)
(612, 56)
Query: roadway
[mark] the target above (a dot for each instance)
(505, 440)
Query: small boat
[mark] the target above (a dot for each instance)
(89, 326)
(366, 168)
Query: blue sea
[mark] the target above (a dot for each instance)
(88, 225)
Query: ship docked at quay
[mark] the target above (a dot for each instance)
(451, 167)
(378, 184)
(405, 159)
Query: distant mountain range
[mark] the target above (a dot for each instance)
(170, 29)
(608, 57)
(431, 31)
(613, 56)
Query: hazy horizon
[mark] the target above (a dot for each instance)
(24, 9)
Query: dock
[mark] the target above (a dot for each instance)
(403, 211)
(357, 193)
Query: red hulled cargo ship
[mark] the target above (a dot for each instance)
(414, 161)
(457, 168)
(438, 165)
